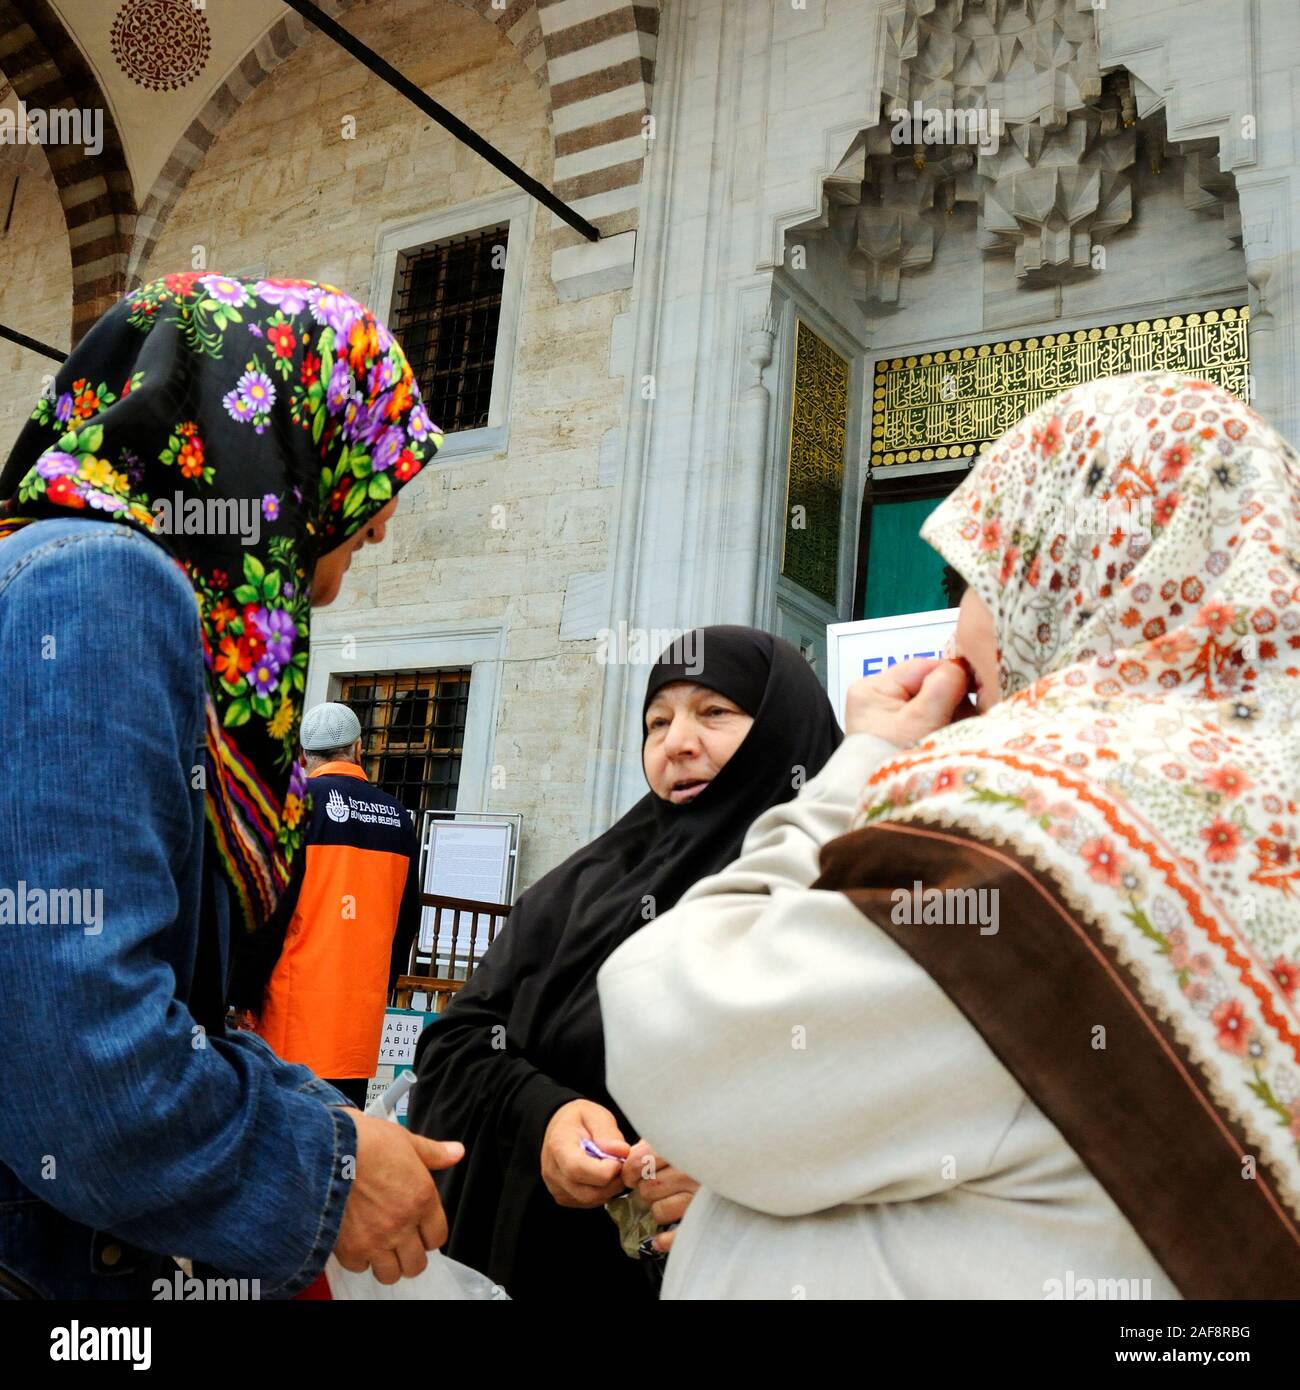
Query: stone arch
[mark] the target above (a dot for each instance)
(598, 73)
(600, 70)
(46, 68)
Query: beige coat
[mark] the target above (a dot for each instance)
(853, 1134)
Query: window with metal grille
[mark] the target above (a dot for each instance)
(412, 733)
(445, 314)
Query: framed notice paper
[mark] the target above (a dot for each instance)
(466, 859)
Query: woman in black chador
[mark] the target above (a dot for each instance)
(515, 1068)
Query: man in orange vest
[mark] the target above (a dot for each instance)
(319, 974)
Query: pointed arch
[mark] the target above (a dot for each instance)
(47, 70)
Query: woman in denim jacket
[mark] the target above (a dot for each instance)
(197, 479)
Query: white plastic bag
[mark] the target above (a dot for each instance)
(444, 1280)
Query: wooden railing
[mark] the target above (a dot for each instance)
(457, 944)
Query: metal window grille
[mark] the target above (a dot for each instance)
(412, 733)
(446, 312)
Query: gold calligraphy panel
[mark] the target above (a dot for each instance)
(944, 405)
(819, 415)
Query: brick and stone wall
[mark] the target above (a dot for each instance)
(282, 192)
(35, 283)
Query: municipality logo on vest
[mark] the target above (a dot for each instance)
(336, 808)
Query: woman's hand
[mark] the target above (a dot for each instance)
(908, 702)
(667, 1189)
(573, 1177)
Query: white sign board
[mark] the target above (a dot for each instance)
(402, 1029)
(466, 860)
(873, 645)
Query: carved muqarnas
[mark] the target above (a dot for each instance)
(1001, 105)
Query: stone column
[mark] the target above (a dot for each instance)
(750, 470)
(755, 104)
(1266, 220)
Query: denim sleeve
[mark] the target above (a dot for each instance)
(289, 1076)
(118, 1110)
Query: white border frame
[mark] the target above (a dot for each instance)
(836, 632)
(789, 305)
(410, 234)
(515, 819)
(418, 647)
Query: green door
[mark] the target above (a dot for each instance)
(904, 575)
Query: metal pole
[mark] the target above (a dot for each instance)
(333, 30)
(34, 344)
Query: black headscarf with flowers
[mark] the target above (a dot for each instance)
(249, 427)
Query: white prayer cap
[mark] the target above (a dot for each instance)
(329, 726)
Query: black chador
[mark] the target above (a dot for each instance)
(524, 1036)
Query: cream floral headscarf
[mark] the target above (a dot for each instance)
(1137, 540)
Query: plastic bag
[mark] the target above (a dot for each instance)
(444, 1280)
(631, 1214)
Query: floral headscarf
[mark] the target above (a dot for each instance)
(250, 427)
(1137, 540)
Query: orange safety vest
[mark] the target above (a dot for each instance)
(324, 1006)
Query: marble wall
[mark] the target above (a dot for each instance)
(759, 107)
(35, 283)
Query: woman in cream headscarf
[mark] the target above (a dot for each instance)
(1088, 1070)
